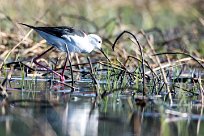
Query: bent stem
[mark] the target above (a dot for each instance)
(141, 53)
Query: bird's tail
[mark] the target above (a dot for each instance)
(28, 25)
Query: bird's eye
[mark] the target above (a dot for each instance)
(99, 41)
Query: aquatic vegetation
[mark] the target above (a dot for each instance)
(150, 76)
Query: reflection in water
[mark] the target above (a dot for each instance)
(65, 115)
(49, 118)
(78, 120)
(140, 124)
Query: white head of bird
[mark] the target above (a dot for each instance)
(95, 40)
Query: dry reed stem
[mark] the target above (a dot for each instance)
(173, 63)
(26, 51)
(201, 90)
(25, 37)
(160, 66)
(183, 53)
(3, 91)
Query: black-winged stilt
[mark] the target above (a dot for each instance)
(66, 39)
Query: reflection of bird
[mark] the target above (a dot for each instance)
(66, 39)
(80, 119)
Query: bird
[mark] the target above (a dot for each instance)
(66, 39)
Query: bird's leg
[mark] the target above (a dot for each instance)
(71, 70)
(65, 64)
(70, 65)
(35, 61)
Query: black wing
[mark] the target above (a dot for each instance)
(58, 31)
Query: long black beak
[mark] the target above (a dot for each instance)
(105, 55)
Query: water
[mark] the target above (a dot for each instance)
(50, 113)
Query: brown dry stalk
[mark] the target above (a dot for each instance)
(173, 63)
(160, 66)
(26, 51)
(8, 54)
(201, 90)
(3, 91)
